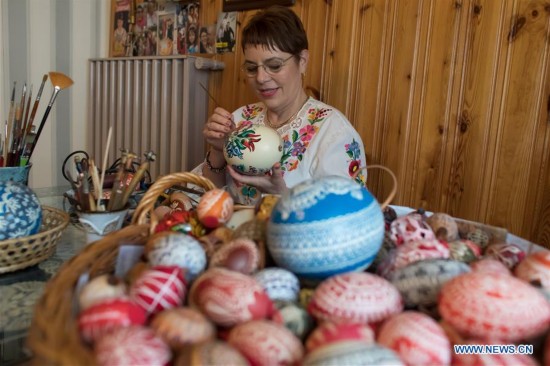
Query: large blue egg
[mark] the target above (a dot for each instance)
(20, 211)
(325, 227)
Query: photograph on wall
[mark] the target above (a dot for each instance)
(120, 28)
(166, 45)
(207, 39)
(181, 29)
(225, 32)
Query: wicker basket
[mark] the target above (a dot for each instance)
(53, 336)
(24, 252)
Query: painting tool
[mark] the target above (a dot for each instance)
(210, 95)
(103, 168)
(149, 157)
(28, 122)
(9, 125)
(60, 81)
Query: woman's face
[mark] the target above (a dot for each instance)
(277, 90)
(191, 34)
(204, 38)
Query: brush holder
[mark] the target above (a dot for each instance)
(19, 174)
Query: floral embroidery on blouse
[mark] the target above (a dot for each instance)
(354, 153)
(295, 143)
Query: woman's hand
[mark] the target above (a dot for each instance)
(218, 126)
(270, 183)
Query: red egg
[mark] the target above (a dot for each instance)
(535, 269)
(328, 332)
(159, 288)
(215, 208)
(108, 315)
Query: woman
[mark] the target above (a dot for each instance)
(205, 46)
(318, 139)
(192, 45)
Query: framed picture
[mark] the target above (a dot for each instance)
(236, 5)
(120, 28)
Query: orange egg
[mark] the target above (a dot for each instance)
(215, 208)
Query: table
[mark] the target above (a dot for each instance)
(20, 290)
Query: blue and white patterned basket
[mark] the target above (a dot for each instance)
(324, 227)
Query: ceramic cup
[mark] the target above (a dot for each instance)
(97, 224)
(19, 174)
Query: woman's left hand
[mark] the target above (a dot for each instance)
(270, 183)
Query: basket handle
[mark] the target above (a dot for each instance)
(393, 191)
(146, 205)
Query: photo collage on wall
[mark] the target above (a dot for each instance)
(168, 27)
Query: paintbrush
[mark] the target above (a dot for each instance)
(59, 81)
(28, 123)
(210, 95)
(9, 125)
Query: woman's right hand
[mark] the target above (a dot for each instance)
(218, 127)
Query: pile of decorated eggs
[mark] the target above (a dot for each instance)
(20, 211)
(211, 299)
(252, 149)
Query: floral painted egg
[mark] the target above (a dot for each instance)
(241, 255)
(101, 288)
(170, 248)
(264, 342)
(181, 326)
(464, 250)
(215, 208)
(229, 298)
(215, 352)
(414, 251)
(352, 353)
(279, 283)
(105, 316)
(253, 149)
(324, 227)
(356, 297)
(410, 228)
(420, 282)
(328, 332)
(294, 317)
(159, 288)
(136, 345)
(507, 253)
(20, 211)
(494, 307)
(535, 269)
(416, 338)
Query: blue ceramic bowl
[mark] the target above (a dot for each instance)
(325, 227)
(20, 211)
(19, 174)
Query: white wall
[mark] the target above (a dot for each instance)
(39, 36)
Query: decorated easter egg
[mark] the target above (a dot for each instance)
(324, 227)
(416, 338)
(214, 352)
(494, 307)
(170, 248)
(229, 298)
(159, 288)
(294, 317)
(105, 316)
(414, 251)
(215, 208)
(352, 353)
(535, 269)
(279, 283)
(181, 326)
(410, 228)
(101, 288)
(464, 250)
(241, 255)
(264, 342)
(20, 211)
(356, 297)
(490, 265)
(136, 345)
(507, 253)
(444, 226)
(253, 149)
(328, 332)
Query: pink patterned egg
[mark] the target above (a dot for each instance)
(535, 269)
(328, 332)
(264, 342)
(509, 254)
(485, 359)
(134, 345)
(229, 298)
(241, 255)
(215, 208)
(411, 252)
(490, 265)
(494, 307)
(355, 298)
(181, 326)
(213, 352)
(159, 288)
(417, 339)
(105, 316)
(410, 228)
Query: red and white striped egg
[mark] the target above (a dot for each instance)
(416, 338)
(159, 288)
(215, 208)
(357, 297)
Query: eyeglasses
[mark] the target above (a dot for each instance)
(272, 66)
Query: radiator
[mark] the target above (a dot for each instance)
(153, 104)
